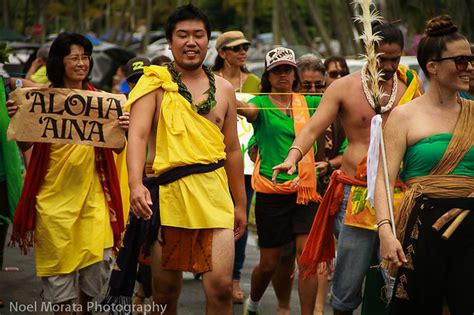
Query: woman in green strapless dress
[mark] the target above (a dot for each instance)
(433, 136)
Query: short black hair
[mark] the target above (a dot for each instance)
(60, 48)
(338, 60)
(185, 13)
(389, 33)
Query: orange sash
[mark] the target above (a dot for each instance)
(319, 247)
(306, 190)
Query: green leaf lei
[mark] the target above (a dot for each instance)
(4, 52)
(204, 107)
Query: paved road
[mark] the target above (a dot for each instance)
(24, 288)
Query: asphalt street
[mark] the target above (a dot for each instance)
(23, 289)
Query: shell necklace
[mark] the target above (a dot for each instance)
(368, 95)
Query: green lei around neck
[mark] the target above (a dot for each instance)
(204, 107)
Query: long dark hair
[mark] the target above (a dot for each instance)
(219, 64)
(267, 87)
(60, 48)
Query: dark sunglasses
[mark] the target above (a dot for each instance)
(317, 85)
(334, 74)
(237, 48)
(461, 62)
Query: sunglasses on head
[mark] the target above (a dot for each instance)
(461, 62)
(237, 48)
(334, 74)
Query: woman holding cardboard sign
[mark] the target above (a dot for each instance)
(71, 197)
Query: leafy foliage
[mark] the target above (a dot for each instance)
(4, 52)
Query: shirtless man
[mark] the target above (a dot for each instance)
(356, 245)
(199, 201)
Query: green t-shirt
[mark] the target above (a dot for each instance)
(2, 169)
(274, 133)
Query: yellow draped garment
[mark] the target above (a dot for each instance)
(72, 217)
(183, 138)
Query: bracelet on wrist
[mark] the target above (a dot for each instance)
(295, 147)
(383, 222)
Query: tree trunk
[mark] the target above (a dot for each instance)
(339, 30)
(119, 24)
(350, 9)
(314, 10)
(146, 38)
(25, 16)
(276, 24)
(250, 17)
(80, 16)
(457, 10)
(107, 15)
(285, 23)
(302, 28)
(41, 10)
(5, 16)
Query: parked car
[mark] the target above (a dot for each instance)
(107, 58)
(409, 61)
(21, 56)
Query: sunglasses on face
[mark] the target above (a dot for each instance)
(237, 48)
(461, 62)
(317, 85)
(334, 74)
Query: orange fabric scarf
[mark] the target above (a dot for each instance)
(306, 190)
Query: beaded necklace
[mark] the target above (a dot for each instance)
(369, 97)
(204, 106)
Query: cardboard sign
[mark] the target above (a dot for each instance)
(245, 132)
(67, 116)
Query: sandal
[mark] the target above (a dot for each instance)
(237, 295)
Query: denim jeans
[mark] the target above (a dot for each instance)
(354, 252)
(240, 245)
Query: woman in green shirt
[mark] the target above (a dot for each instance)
(280, 218)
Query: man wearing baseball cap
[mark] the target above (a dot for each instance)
(134, 70)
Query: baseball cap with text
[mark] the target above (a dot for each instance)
(135, 66)
(279, 56)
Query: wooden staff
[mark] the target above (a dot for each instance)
(387, 184)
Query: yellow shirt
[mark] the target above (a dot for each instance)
(185, 138)
(72, 217)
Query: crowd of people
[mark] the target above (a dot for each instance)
(190, 190)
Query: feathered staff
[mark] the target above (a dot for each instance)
(371, 77)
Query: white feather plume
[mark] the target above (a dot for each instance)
(373, 75)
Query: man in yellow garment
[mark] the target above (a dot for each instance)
(192, 114)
